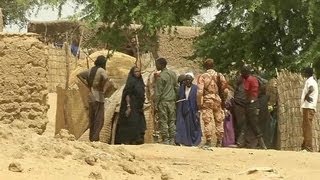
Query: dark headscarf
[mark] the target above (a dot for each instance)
(131, 77)
(135, 88)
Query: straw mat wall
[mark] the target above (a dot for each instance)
(290, 87)
(57, 68)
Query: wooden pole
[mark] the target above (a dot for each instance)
(87, 58)
(78, 52)
(114, 127)
(45, 33)
(87, 61)
(66, 48)
(138, 59)
(65, 108)
(1, 21)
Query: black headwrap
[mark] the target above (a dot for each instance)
(131, 74)
(135, 88)
(100, 62)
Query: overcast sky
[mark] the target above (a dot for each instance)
(47, 14)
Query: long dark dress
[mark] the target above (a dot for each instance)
(188, 129)
(228, 126)
(130, 130)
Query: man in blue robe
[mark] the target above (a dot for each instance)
(188, 129)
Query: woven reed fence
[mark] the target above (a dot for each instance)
(60, 64)
(289, 89)
(57, 69)
(71, 113)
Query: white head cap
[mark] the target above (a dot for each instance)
(190, 74)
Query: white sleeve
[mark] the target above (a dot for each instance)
(308, 85)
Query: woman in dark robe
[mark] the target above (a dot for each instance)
(132, 125)
(188, 129)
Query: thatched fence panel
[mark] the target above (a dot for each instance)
(289, 87)
(60, 62)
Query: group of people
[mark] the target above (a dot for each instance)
(179, 102)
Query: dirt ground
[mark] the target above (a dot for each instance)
(46, 157)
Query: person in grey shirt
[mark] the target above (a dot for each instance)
(98, 82)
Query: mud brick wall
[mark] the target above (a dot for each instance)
(289, 88)
(177, 46)
(23, 81)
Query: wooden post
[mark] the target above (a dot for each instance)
(1, 21)
(78, 52)
(138, 59)
(114, 127)
(87, 61)
(87, 58)
(66, 48)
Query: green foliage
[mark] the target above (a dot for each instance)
(152, 16)
(267, 34)
(16, 11)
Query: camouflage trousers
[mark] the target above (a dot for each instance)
(212, 112)
(167, 118)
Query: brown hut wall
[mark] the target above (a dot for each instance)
(24, 76)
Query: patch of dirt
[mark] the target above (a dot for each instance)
(43, 157)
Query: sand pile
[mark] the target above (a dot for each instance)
(29, 151)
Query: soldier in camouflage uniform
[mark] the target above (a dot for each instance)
(165, 97)
(212, 88)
